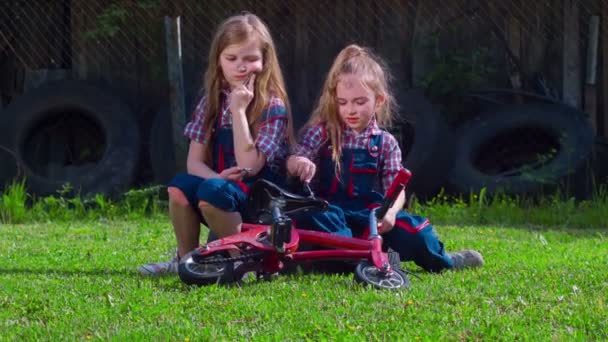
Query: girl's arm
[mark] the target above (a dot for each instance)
(271, 138)
(194, 130)
(388, 222)
(300, 163)
(301, 167)
(391, 155)
(195, 163)
(245, 152)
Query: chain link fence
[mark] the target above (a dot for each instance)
(41, 33)
(443, 45)
(53, 34)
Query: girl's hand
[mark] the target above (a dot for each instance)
(301, 167)
(241, 96)
(232, 173)
(388, 223)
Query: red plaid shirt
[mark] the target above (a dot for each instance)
(272, 134)
(389, 160)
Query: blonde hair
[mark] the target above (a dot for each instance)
(268, 82)
(353, 59)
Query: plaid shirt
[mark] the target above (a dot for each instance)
(271, 135)
(389, 160)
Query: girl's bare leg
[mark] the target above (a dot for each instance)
(185, 220)
(221, 223)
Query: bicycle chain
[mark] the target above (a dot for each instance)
(218, 259)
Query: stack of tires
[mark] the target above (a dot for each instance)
(531, 148)
(524, 149)
(69, 132)
(74, 132)
(425, 140)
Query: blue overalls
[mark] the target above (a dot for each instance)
(352, 198)
(224, 194)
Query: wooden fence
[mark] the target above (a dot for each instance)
(492, 43)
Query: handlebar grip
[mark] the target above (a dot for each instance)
(398, 185)
(389, 201)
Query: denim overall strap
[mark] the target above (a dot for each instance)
(224, 156)
(273, 171)
(223, 149)
(358, 171)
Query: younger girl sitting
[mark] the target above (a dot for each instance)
(355, 162)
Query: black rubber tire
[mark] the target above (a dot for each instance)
(503, 96)
(191, 274)
(471, 105)
(599, 163)
(9, 169)
(425, 145)
(513, 137)
(160, 147)
(73, 102)
(366, 273)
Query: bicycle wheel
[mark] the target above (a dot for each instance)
(205, 270)
(368, 274)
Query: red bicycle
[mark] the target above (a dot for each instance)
(266, 247)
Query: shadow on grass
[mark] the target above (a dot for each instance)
(573, 232)
(167, 282)
(62, 272)
(576, 233)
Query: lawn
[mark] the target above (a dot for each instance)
(77, 280)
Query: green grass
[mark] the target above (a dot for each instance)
(76, 279)
(68, 272)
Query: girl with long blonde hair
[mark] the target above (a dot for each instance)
(240, 131)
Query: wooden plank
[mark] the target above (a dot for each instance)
(395, 42)
(23, 34)
(590, 105)
(79, 65)
(364, 18)
(604, 68)
(302, 98)
(405, 36)
(422, 52)
(514, 41)
(54, 32)
(87, 56)
(176, 90)
(572, 61)
(534, 48)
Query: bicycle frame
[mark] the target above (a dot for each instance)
(256, 237)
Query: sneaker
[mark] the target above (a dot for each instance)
(466, 258)
(160, 268)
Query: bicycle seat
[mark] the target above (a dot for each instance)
(263, 193)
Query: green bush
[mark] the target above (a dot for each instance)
(13, 203)
(557, 210)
